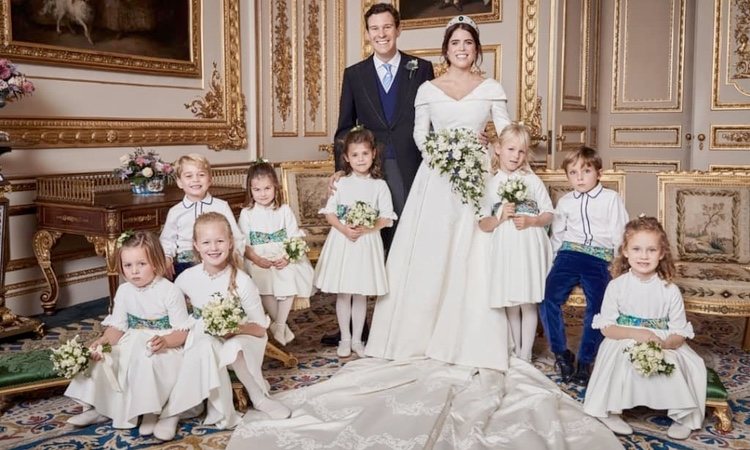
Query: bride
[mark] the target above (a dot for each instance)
(441, 376)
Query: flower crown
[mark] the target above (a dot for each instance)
(357, 127)
(462, 19)
(259, 161)
(124, 237)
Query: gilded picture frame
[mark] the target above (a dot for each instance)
(95, 37)
(207, 111)
(428, 13)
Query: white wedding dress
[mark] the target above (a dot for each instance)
(451, 383)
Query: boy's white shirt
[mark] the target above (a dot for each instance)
(595, 218)
(177, 234)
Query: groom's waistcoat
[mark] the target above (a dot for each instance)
(388, 102)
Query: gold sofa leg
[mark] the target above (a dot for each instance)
(276, 353)
(723, 415)
(241, 402)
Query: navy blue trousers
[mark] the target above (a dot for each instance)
(569, 269)
(180, 267)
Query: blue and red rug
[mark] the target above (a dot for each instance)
(37, 420)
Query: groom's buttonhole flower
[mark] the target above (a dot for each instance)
(412, 67)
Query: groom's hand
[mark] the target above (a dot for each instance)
(333, 180)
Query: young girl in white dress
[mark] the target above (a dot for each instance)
(219, 271)
(521, 251)
(642, 304)
(147, 328)
(265, 223)
(352, 263)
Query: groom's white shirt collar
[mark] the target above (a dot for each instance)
(394, 62)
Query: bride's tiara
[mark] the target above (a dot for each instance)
(462, 19)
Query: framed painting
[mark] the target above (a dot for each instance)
(144, 36)
(90, 105)
(435, 13)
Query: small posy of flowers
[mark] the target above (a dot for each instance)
(412, 66)
(513, 191)
(648, 359)
(457, 153)
(222, 315)
(295, 248)
(73, 357)
(141, 166)
(361, 214)
(13, 84)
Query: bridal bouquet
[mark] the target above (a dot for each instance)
(222, 315)
(72, 357)
(513, 191)
(361, 214)
(295, 248)
(456, 152)
(648, 359)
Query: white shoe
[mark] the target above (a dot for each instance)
(274, 408)
(615, 423)
(166, 428)
(288, 334)
(277, 331)
(345, 348)
(87, 418)
(359, 348)
(148, 422)
(678, 431)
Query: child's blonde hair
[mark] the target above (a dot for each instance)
(263, 169)
(666, 268)
(147, 240)
(195, 159)
(234, 259)
(589, 156)
(513, 131)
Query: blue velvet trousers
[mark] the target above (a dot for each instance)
(569, 269)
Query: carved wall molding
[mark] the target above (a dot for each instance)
(730, 137)
(315, 117)
(529, 43)
(284, 67)
(731, 55)
(576, 100)
(211, 105)
(646, 136)
(66, 279)
(646, 165)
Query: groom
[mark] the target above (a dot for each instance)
(378, 93)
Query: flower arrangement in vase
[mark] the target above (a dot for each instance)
(145, 171)
(13, 84)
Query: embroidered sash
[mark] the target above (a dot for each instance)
(185, 257)
(137, 323)
(632, 321)
(606, 254)
(526, 207)
(258, 237)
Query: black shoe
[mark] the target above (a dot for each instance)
(564, 364)
(582, 375)
(331, 340)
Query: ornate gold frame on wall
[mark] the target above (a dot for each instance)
(221, 125)
(496, 15)
(69, 56)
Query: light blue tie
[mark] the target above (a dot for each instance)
(388, 78)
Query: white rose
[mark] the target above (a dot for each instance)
(147, 172)
(124, 160)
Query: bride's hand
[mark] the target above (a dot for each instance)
(482, 136)
(333, 180)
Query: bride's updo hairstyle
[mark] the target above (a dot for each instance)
(517, 131)
(361, 135)
(463, 23)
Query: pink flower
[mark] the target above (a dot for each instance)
(5, 72)
(141, 161)
(28, 87)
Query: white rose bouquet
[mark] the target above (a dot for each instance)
(361, 214)
(295, 248)
(222, 315)
(648, 359)
(513, 191)
(73, 357)
(456, 152)
(142, 166)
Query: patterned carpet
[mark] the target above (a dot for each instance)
(37, 421)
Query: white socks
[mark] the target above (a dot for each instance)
(259, 399)
(351, 308)
(359, 314)
(344, 315)
(278, 309)
(523, 322)
(148, 421)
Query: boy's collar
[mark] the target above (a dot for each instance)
(593, 193)
(207, 200)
